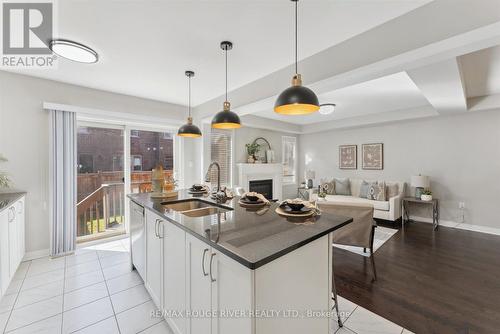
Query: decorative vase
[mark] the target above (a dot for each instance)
(250, 159)
(426, 198)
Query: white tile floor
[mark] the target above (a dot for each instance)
(94, 292)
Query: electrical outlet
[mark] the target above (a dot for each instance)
(461, 205)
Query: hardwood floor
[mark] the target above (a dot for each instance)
(446, 281)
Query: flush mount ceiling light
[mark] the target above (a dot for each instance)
(189, 129)
(327, 108)
(297, 99)
(73, 51)
(226, 119)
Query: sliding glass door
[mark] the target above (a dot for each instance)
(100, 182)
(115, 160)
(149, 149)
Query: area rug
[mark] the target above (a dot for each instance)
(382, 234)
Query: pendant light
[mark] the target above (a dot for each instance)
(297, 99)
(189, 129)
(226, 119)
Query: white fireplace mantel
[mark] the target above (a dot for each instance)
(254, 172)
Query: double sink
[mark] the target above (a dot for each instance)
(195, 208)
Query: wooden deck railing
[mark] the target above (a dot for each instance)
(101, 210)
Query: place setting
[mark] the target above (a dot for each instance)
(298, 208)
(253, 200)
(198, 189)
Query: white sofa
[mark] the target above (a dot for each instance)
(387, 210)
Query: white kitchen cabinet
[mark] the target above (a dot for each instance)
(216, 284)
(174, 276)
(20, 218)
(198, 289)
(232, 289)
(12, 247)
(14, 254)
(154, 257)
(4, 252)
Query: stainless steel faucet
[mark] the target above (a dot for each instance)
(207, 176)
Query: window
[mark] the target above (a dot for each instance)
(167, 135)
(289, 157)
(134, 133)
(85, 163)
(136, 162)
(118, 162)
(221, 151)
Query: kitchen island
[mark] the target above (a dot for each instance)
(214, 267)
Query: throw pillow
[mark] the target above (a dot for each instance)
(342, 187)
(365, 188)
(329, 187)
(392, 190)
(377, 192)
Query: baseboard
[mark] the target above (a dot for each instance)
(36, 254)
(461, 226)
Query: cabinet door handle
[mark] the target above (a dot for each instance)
(203, 262)
(160, 226)
(13, 211)
(211, 259)
(156, 228)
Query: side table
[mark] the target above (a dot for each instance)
(406, 214)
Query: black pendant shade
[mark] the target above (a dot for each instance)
(297, 99)
(226, 119)
(189, 129)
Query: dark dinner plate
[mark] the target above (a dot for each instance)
(246, 201)
(287, 209)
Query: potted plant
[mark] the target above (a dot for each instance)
(426, 195)
(4, 178)
(252, 149)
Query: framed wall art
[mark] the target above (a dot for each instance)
(373, 156)
(348, 156)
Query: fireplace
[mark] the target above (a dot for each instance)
(264, 187)
(263, 178)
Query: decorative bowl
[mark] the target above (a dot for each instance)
(426, 198)
(197, 187)
(295, 206)
(251, 198)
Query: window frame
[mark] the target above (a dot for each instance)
(289, 179)
(230, 168)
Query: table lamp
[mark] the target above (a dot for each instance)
(310, 176)
(420, 182)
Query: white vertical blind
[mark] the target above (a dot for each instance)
(62, 182)
(289, 156)
(221, 151)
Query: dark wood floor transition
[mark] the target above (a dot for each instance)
(446, 281)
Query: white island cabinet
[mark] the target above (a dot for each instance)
(219, 291)
(12, 248)
(204, 287)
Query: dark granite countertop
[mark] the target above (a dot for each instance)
(249, 238)
(7, 198)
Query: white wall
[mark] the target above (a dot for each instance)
(24, 136)
(460, 153)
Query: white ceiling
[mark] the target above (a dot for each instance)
(393, 92)
(481, 71)
(145, 46)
